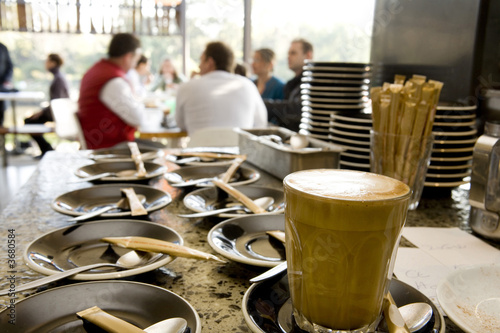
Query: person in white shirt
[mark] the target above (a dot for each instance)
(219, 98)
(139, 76)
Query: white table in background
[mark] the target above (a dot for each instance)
(20, 96)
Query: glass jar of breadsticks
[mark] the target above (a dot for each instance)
(401, 140)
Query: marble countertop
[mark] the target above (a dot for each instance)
(215, 291)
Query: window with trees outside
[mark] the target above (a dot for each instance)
(339, 30)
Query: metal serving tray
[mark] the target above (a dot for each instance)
(280, 159)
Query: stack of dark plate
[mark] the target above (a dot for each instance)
(454, 137)
(351, 130)
(328, 88)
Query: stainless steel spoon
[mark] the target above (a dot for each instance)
(119, 174)
(145, 156)
(129, 260)
(187, 160)
(171, 325)
(111, 323)
(122, 204)
(263, 202)
(270, 273)
(416, 316)
(176, 180)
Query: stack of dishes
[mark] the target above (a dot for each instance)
(330, 87)
(455, 135)
(351, 130)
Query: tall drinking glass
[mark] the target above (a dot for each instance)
(342, 230)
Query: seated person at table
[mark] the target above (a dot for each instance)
(287, 113)
(58, 89)
(140, 76)
(168, 79)
(270, 87)
(219, 98)
(241, 69)
(108, 111)
(6, 70)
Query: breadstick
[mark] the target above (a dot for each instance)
(136, 156)
(211, 155)
(239, 196)
(159, 246)
(226, 177)
(134, 203)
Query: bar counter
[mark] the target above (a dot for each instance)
(214, 290)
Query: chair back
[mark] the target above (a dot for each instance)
(66, 120)
(214, 137)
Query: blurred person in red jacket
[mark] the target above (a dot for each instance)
(108, 110)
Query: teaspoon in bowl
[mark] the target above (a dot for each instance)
(122, 204)
(119, 174)
(416, 316)
(263, 202)
(129, 260)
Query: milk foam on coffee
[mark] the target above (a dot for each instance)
(348, 185)
(342, 228)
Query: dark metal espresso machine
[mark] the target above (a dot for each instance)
(484, 195)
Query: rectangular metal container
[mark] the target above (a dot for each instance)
(280, 159)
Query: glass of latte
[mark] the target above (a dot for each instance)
(342, 232)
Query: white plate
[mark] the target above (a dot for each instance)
(212, 198)
(311, 116)
(366, 128)
(318, 74)
(471, 298)
(451, 159)
(454, 124)
(464, 133)
(354, 95)
(352, 148)
(334, 106)
(341, 82)
(449, 167)
(334, 88)
(355, 165)
(55, 310)
(444, 184)
(470, 140)
(79, 245)
(322, 100)
(316, 136)
(315, 123)
(244, 240)
(444, 107)
(447, 116)
(334, 64)
(447, 175)
(317, 130)
(452, 150)
(350, 154)
(355, 118)
(350, 134)
(348, 141)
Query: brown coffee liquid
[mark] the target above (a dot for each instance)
(342, 228)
